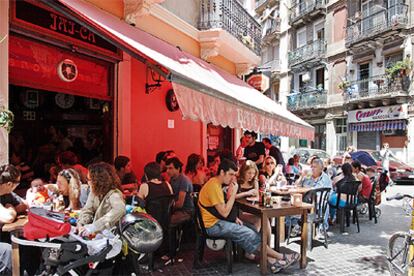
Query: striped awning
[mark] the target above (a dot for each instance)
(378, 126)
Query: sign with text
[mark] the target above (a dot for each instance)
(259, 81)
(44, 20)
(382, 113)
(37, 65)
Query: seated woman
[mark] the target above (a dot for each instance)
(271, 174)
(69, 185)
(196, 171)
(105, 205)
(337, 181)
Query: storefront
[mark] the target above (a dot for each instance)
(374, 126)
(157, 97)
(61, 87)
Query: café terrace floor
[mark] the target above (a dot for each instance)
(350, 253)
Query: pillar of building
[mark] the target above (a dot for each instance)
(330, 138)
(410, 141)
(4, 76)
(123, 126)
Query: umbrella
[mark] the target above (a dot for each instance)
(364, 157)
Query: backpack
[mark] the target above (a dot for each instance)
(45, 224)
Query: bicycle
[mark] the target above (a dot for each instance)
(400, 257)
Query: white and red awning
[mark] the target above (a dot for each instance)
(378, 126)
(204, 91)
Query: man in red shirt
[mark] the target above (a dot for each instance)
(366, 185)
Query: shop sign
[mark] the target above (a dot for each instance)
(39, 66)
(259, 81)
(383, 113)
(50, 22)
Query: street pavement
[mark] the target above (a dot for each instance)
(350, 253)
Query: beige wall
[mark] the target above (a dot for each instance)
(116, 7)
(187, 10)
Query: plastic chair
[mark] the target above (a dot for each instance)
(202, 236)
(350, 189)
(319, 198)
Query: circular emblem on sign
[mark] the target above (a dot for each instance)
(64, 101)
(67, 70)
(171, 101)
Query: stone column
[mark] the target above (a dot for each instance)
(410, 138)
(330, 138)
(4, 76)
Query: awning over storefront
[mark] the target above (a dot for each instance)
(378, 126)
(204, 91)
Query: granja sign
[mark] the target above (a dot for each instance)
(383, 113)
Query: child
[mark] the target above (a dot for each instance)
(37, 194)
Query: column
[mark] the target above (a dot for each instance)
(123, 108)
(330, 138)
(410, 138)
(4, 75)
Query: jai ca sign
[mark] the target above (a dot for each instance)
(383, 113)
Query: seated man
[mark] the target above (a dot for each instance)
(366, 185)
(182, 188)
(216, 209)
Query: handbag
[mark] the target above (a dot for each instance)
(45, 224)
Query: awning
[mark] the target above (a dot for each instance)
(378, 126)
(204, 91)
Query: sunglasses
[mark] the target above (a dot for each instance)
(270, 163)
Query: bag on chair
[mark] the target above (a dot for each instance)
(45, 224)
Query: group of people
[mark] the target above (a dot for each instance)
(97, 191)
(100, 204)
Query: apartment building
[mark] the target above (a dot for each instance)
(377, 87)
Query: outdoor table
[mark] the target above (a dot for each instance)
(15, 228)
(276, 211)
(282, 192)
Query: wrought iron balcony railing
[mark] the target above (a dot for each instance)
(379, 21)
(307, 100)
(232, 17)
(376, 86)
(315, 49)
(305, 7)
(260, 3)
(272, 28)
(273, 66)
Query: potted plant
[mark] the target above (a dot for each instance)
(398, 69)
(343, 85)
(6, 119)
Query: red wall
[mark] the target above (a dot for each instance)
(149, 124)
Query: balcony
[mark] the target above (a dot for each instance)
(377, 88)
(271, 30)
(230, 16)
(313, 51)
(305, 10)
(261, 5)
(380, 21)
(313, 99)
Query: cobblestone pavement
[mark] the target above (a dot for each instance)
(350, 253)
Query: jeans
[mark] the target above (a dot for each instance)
(5, 258)
(242, 235)
(332, 201)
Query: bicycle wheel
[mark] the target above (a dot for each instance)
(398, 249)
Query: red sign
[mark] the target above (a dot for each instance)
(37, 65)
(259, 81)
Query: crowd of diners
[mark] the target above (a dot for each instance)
(100, 190)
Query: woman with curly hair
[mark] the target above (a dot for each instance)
(196, 171)
(69, 185)
(105, 205)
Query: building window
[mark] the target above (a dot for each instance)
(301, 82)
(301, 38)
(363, 75)
(341, 129)
(320, 137)
(341, 125)
(275, 92)
(319, 31)
(392, 59)
(320, 78)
